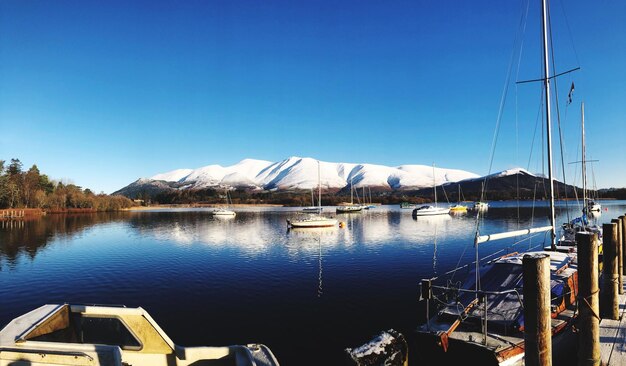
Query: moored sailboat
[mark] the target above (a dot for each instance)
(482, 317)
(225, 211)
(314, 220)
(351, 207)
(430, 210)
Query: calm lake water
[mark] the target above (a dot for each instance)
(307, 294)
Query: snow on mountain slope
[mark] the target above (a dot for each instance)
(173, 176)
(302, 173)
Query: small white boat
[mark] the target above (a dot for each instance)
(428, 210)
(223, 213)
(349, 209)
(63, 334)
(312, 221)
(593, 206)
(480, 205)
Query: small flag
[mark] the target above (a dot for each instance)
(569, 95)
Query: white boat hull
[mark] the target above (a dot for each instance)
(224, 213)
(312, 222)
(430, 211)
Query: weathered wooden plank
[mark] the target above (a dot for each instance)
(613, 337)
(618, 357)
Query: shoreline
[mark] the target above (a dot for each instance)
(215, 205)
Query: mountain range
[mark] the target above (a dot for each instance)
(296, 173)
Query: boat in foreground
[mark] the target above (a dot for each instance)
(63, 334)
(488, 324)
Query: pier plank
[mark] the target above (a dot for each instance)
(613, 337)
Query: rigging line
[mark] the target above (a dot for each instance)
(518, 36)
(537, 119)
(558, 115)
(569, 33)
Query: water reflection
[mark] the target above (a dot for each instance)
(256, 231)
(32, 236)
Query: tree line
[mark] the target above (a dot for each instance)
(32, 189)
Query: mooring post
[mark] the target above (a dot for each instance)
(620, 256)
(537, 322)
(623, 231)
(609, 305)
(427, 293)
(588, 302)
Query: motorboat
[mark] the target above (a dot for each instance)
(64, 334)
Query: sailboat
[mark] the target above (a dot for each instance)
(458, 208)
(481, 318)
(567, 242)
(370, 203)
(312, 208)
(428, 210)
(225, 212)
(352, 207)
(314, 220)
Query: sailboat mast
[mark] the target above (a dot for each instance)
(546, 82)
(434, 185)
(351, 201)
(319, 186)
(584, 163)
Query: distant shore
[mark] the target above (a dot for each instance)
(199, 205)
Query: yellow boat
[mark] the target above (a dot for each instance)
(458, 208)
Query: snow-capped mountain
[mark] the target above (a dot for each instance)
(302, 173)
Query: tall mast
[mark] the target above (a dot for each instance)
(546, 81)
(434, 185)
(584, 163)
(319, 185)
(351, 201)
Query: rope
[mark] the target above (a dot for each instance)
(589, 305)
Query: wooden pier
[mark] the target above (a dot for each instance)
(613, 337)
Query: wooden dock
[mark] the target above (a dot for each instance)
(613, 337)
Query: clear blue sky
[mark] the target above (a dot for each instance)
(104, 92)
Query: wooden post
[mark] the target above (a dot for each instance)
(588, 302)
(537, 322)
(623, 218)
(620, 256)
(609, 304)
